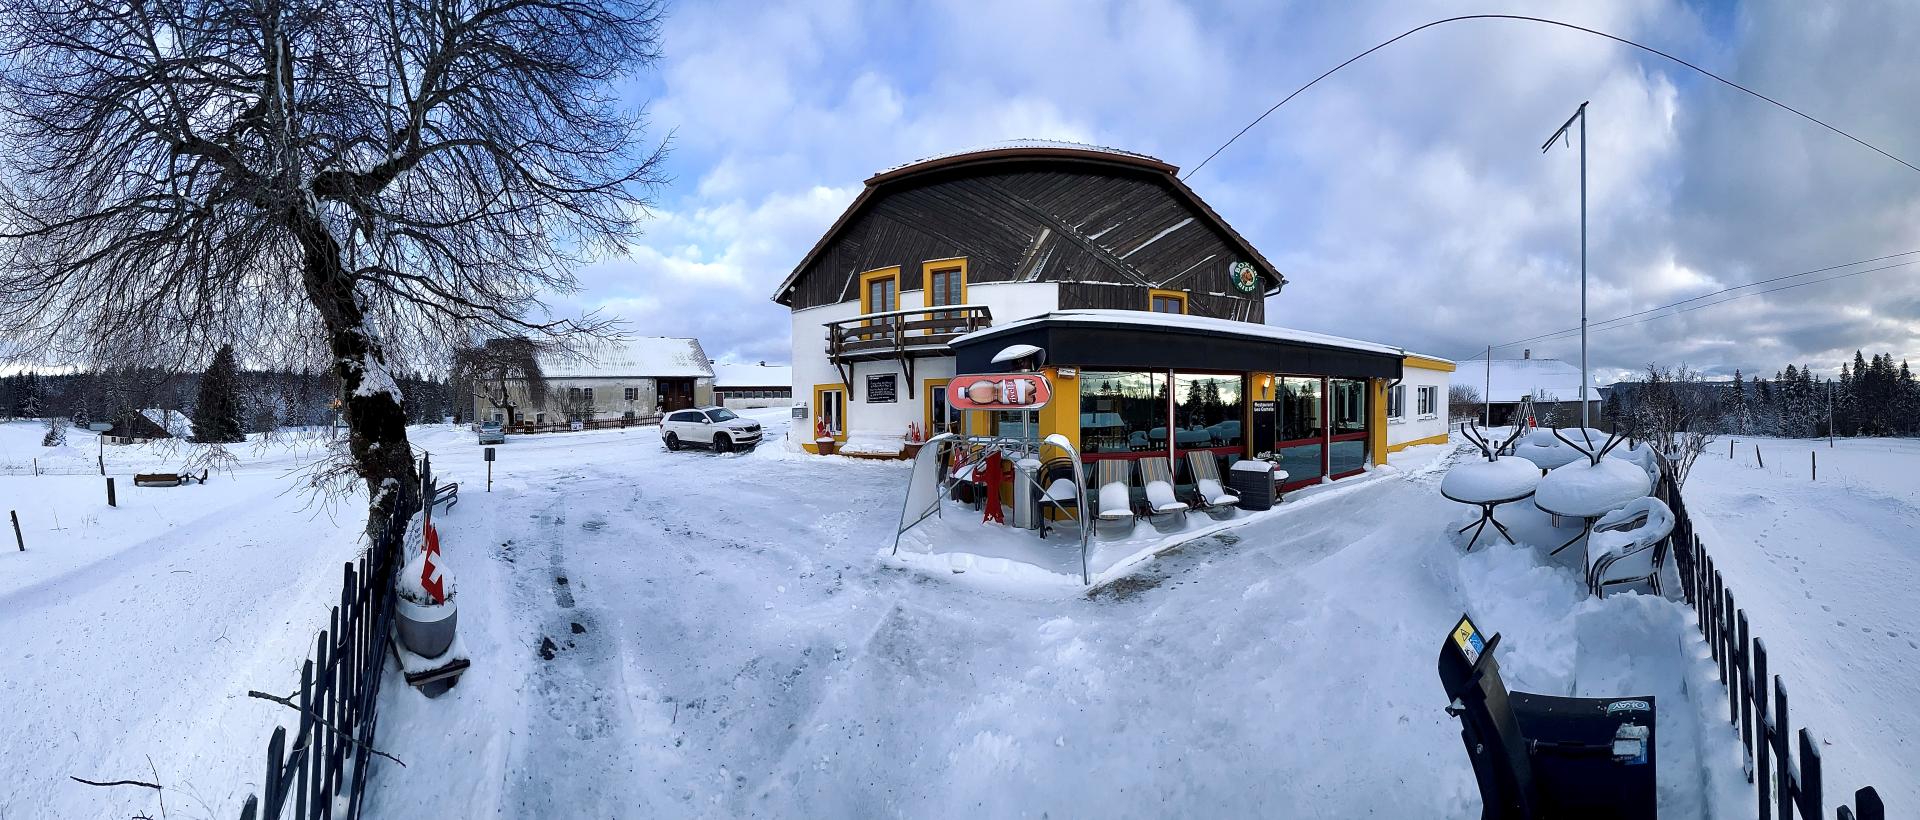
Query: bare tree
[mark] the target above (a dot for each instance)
(494, 369)
(1677, 414)
(1463, 402)
(375, 179)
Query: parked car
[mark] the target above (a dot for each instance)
(717, 427)
(490, 433)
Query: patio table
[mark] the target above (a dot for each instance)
(1587, 491)
(1488, 484)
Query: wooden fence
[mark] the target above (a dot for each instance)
(1788, 779)
(323, 773)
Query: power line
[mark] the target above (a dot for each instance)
(1558, 333)
(1610, 323)
(1521, 17)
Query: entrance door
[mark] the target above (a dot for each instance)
(676, 394)
(1302, 433)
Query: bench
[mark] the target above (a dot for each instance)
(167, 479)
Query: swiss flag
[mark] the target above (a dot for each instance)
(430, 579)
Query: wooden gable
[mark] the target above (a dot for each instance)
(1107, 229)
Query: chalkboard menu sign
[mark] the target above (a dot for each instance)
(1263, 419)
(883, 388)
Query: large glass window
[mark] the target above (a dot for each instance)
(1123, 411)
(1349, 400)
(1206, 416)
(1302, 429)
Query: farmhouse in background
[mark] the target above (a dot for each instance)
(638, 378)
(151, 424)
(739, 386)
(1553, 385)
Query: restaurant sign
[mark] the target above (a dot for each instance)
(999, 391)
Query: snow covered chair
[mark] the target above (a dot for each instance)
(1629, 545)
(1209, 494)
(1156, 477)
(1114, 477)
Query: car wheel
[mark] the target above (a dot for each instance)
(721, 443)
(673, 442)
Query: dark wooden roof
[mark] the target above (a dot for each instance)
(1017, 207)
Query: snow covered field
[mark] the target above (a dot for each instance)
(134, 632)
(702, 635)
(1829, 573)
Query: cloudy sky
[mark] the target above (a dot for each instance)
(1405, 197)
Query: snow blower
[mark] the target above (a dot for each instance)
(1542, 756)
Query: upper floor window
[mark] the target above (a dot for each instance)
(880, 291)
(946, 283)
(1166, 301)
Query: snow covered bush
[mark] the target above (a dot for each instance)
(56, 433)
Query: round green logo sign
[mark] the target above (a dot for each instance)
(1244, 277)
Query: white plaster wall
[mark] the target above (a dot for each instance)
(1007, 302)
(1415, 426)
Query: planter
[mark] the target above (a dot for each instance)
(824, 445)
(426, 630)
(910, 450)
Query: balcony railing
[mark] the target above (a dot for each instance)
(903, 333)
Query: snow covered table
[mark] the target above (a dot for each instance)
(1587, 490)
(1488, 484)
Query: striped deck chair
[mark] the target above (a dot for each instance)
(1206, 480)
(1113, 476)
(1156, 475)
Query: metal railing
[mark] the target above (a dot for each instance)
(323, 773)
(1787, 787)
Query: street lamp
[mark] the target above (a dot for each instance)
(1581, 115)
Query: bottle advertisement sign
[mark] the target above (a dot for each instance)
(999, 391)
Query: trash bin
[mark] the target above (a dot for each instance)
(1252, 480)
(1026, 494)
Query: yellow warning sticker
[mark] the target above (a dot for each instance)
(1467, 637)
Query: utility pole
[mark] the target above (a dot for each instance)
(1581, 115)
(1486, 399)
(1829, 414)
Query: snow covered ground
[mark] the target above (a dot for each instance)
(1829, 574)
(702, 635)
(134, 632)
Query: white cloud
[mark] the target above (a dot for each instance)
(1409, 187)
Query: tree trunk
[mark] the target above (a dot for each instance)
(376, 423)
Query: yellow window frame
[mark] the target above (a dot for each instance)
(866, 290)
(1160, 293)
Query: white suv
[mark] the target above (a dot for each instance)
(716, 426)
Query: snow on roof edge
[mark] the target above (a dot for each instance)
(1202, 323)
(1022, 143)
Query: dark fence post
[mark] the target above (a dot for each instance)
(1763, 749)
(1783, 795)
(17, 540)
(1808, 794)
(110, 499)
(275, 746)
(1757, 458)
(1746, 689)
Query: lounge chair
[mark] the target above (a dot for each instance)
(1115, 501)
(1209, 493)
(1629, 545)
(1156, 476)
(1056, 491)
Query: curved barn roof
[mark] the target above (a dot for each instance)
(998, 157)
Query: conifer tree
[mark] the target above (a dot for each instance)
(216, 415)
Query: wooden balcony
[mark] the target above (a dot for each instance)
(900, 335)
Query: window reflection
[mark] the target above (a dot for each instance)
(1123, 411)
(1349, 400)
(1300, 409)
